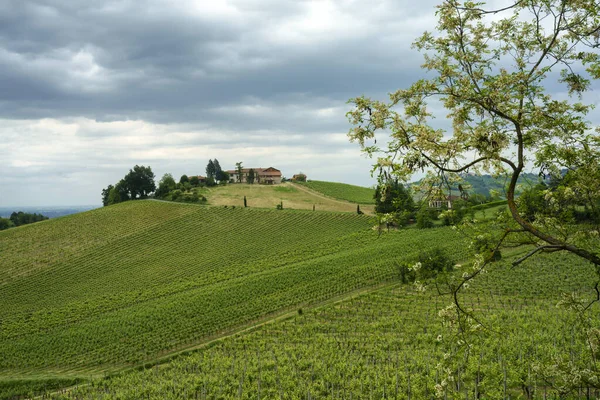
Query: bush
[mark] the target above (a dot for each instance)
(532, 201)
(485, 245)
(429, 265)
(175, 194)
(454, 215)
(424, 218)
(210, 182)
(5, 223)
(191, 197)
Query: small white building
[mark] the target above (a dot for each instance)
(441, 203)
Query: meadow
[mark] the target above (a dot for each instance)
(342, 191)
(98, 292)
(292, 196)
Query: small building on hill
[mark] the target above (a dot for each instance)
(266, 176)
(443, 202)
(301, 177)
(201, 179)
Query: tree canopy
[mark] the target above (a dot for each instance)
(497, 74)
(211, 170)
(393, 197)
(165, 185)
(511, 83)
(239, 169)
(137, 184)
(251, 176)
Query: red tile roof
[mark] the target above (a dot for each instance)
(260, 171)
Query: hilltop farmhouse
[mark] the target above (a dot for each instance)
(268, 176)
(444, 203)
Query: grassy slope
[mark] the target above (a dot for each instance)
(267, 196)
(377, 344)
(342, 191)
(126, 284)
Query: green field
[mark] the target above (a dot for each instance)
(384, 344)
(342, 191)
(269, 196)
(149, 299)
(101, 291)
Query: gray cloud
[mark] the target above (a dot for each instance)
(165, 62)
(88, 89)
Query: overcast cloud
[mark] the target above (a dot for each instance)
(89, 89)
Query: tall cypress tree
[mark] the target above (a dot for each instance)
(210, 169)
(218, 171)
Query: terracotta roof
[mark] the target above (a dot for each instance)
(244, 170)
(260, 171)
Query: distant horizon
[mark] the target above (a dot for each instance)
(157, 178)
(5, 211)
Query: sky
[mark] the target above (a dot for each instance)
(88, 89)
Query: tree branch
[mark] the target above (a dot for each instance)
(537, 249)
(595, 300)
(466, 166)
(483, 12)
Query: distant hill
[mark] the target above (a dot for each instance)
(48, 211)
(342, 191)
(482, 184)
(479, 184)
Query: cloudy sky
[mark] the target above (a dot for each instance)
(88, 89)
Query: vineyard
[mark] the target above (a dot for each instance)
(388, 343)
(117, 287)
(342, 191)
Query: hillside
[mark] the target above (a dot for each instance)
(482, 184)
(127, 284)
(387, 343)
(342, 191)
(292, 196)
(221, 302)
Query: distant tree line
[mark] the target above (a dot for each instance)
(20, 218)
(139, 184)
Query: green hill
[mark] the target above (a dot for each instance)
(383, 344)
(269, 196)
(342, 191)
(123, 285)
(182, 301)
